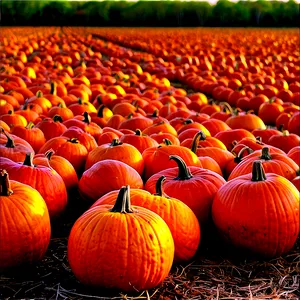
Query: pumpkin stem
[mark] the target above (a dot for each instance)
(99, 100)
(122, 204)
(80, 101)
(28, 160)
(258, 172)
(167, 142)
(200, 135)
(39, 94)
(188, 121)
(155, 113)
(239, 156)
(259, 140)
(73, 141)
(58, 118)
(100, 111)
(30, 125)
(298, 172)
(53, 88)
(285, 133)
(86, 118)
(159, 187)
(115, 142)
(10, 142)
(4, 184)
(265, 154)
(183, 171)
(49, 154)
(138, 132)
(226, 107)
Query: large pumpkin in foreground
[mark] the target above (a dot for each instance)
(123, 247)
(258, 212)
(24, 223)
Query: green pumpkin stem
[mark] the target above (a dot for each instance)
(167, 142)
(30, 125)
(265, 154)
(115, 142)
(183, 171)
(122, 204)
(86, 118)
(159, 187)
(80, 101)
(10, 142)
(258, 173)
(188, 121)
(28, 160)
(39, 94)
(298, 172)
(5, 189)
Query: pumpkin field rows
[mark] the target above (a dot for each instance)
(142, 163)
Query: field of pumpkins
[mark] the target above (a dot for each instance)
(149, 163)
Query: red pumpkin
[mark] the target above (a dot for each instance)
(294, 154)
(93, 184)
(285, 141)
(44, 179)
(294, 123)
(276, 163)
(70, 149)
(184, 183)
(25, 225)
(127, 248)
(61, 165)
(258, 212)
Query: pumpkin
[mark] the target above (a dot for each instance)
(182, 222)
(52, 127)
(70, 149)
(25, 224)
(246, 121)
(117, 151)
(265, 134)
(105, 176)
(228, 136)
(157, 158)
(294, 154)
(215, 126)
(285, 141)
(258, 212)
(44, 179)
(293, 125)
(61, 165)
(34, 136)
(273, 162)
(127, 248)
(193, 185)
(13, 147)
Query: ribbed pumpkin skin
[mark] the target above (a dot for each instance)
(132, 251)
(260, 216)
(45, 180)
(106, 176)
(123, 152)
(157, 159)
(197, 192)
(279, 164)
(62, 166)
(24, 226)
(182, 222)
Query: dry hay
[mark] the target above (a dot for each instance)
(218, 272)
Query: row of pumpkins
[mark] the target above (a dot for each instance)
(155, 178)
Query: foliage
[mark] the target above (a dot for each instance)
(151, 13)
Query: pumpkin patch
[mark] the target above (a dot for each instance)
(147, 153)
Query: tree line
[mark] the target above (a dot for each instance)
(150, 13)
